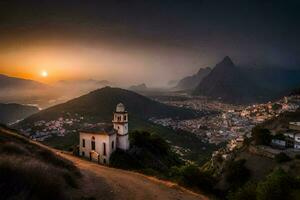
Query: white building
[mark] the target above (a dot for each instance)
(99, 143)
(296, 127)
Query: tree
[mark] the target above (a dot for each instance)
(261, 136)
(277, 186)
(190, 175)
(247, 192)
(282, 157)
(237, 174)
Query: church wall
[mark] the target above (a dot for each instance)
(99, 140)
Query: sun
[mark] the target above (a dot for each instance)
(44, 74)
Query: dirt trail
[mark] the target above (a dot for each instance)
(126, 185)
(105, 183)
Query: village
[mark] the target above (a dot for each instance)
(230, 122)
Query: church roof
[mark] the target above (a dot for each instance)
(100, 130)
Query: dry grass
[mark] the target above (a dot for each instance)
(28, 171)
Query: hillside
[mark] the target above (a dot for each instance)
(10, 113)
(228, 83)
(190, 82)
(98, 106)
(31, 171)
(281, 123)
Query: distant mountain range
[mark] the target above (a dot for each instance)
(10, 113)
(234, 84)
(24, 91)
(139, 88)
(190, 82)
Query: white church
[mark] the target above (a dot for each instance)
(99, 143)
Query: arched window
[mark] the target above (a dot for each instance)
(104, 148)
(112, 144)
(93, 143)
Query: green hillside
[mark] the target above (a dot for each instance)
(98, 106)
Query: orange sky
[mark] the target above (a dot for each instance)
(118, 64)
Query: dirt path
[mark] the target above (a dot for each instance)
(126, 185)
(105, 183)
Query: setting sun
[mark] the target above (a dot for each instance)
(44, 74)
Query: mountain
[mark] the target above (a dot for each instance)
(141, 87)
(74, 88)
(10, 113)
(228, 83)
(8, 82)
(24, 91)
(245, 84)
(100, 104)
(172, 83)
(190, 82)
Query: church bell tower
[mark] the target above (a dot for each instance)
(120, 122)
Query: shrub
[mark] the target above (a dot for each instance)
(151, 141)
(29, 179)
(277, 186)
(191, 176)
(123, 160)
(261, 136)
(237, 174)
(13, 148)
(282, 157)
(55, 160)
(247, 192)
(297, 156)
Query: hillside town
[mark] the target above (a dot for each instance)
(230, 122)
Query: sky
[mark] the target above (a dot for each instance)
(133, 41)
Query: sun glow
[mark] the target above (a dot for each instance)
(44, 74)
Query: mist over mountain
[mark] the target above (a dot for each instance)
(75, 88)
(190, 82)
(20, 90)
(139, 88)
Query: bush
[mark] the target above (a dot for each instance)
(278, 185)
(55, 160)
(261, 136)
(191, 176)
(282, 157)
(29, 179)
(247, 192)
(151, 141)
(297, 156)
(237, 174)
(13, 149)
(123, 160)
